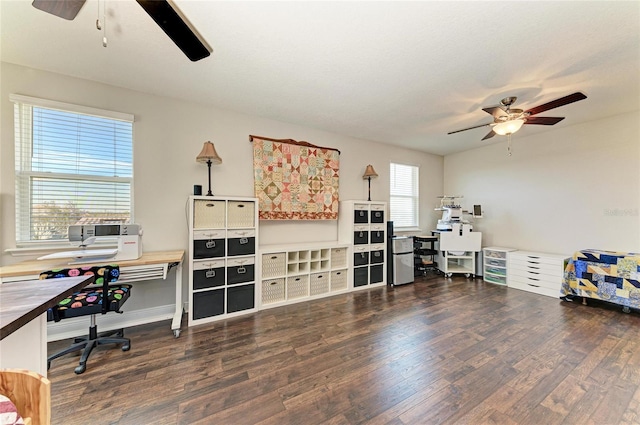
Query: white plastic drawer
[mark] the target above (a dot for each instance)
(208, 214)
(245, 233)
(494, 254)
(495, 262)
(274, 264)
(207, 264)
(537, 282)
(241, 214)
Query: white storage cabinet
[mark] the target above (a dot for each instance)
(362, 225)
(536, 272)
(223, 240)
(298, 272)
(495, 264)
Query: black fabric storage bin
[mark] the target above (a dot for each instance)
(376, 274)
(360, 237)
(208, 248)
(208, 303)
(241, 298)
(239, 274)
(377, 236)
(241, 246)
(361, 276)
(377, 257)
(360, 216)
(208, 278)
(377, 216)
(360, 258)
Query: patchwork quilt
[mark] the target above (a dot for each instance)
(295, 182)
(604, 275)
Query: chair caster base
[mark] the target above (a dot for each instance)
(80, 369)
(126, 347)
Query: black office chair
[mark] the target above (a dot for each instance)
(99, 298)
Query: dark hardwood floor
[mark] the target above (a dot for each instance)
(452, 351)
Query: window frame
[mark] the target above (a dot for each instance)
(414, 196)
(24, 173)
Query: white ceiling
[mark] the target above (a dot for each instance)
(402, 73)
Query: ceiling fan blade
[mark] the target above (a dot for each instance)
(557, 103)
(496, 111)
(469, 128)
(66, 9)
(544, 120)
(489, 135)
(177, 27)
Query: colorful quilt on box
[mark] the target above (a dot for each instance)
(604, 275)
(295, 182)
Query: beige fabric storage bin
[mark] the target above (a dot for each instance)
(338, 280)
(208, 214)
(240, 214)
(272, 291)
(338, 257)
(318, 283)
(297, 286)
(274, 264)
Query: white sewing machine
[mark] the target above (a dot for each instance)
(129, 239)
(451, 213)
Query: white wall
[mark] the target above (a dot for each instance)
(568, 189)
(168, 134)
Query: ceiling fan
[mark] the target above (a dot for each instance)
(164, 12)
(507, 120)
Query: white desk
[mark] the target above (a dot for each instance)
(152, 265)
(23, 319)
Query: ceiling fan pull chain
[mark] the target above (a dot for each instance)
(509, 143)
(104, 27)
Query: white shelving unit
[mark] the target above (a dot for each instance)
(495, 264)
(362, 225)
(223, 236)
(464, 263)
(298, 272)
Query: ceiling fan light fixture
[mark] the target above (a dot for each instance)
(508, 127)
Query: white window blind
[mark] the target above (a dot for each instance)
(74, 165)
(403, 195)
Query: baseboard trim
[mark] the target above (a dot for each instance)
(79, 326)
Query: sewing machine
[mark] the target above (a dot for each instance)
(128, 236)
(451, 213)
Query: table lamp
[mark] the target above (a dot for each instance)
(368, 173)
(209, 156)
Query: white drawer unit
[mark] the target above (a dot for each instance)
(298, 272)
(536, 272)
(495, 264)
(222, 258)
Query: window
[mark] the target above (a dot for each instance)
(74, 165)
(403, 195)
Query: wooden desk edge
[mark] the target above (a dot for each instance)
(31, 267)
(9, 328)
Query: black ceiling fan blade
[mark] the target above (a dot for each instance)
(177, 27)
(66, 9)
(496, 111)
(544, 120)
(557, 103)
(469, 128)
(489, 135)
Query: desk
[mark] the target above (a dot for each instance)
(23, 320)
(152, 265)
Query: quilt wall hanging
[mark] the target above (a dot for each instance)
(295, 180)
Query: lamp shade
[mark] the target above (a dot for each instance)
(369, 172)
(508, 127)
(209, 154)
